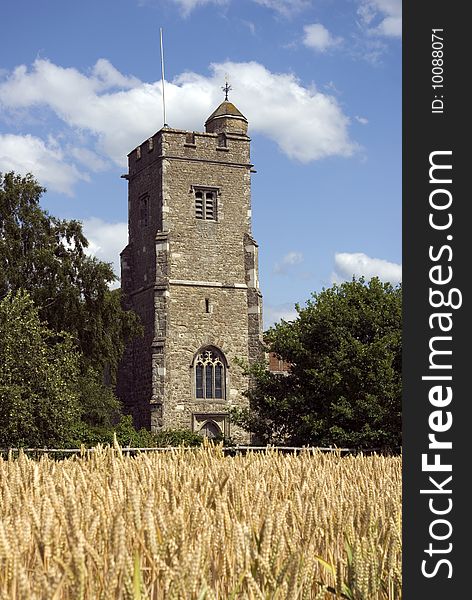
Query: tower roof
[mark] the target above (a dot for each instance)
(226, 109)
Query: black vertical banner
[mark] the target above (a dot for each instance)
(437, 234)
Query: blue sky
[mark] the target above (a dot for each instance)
(318, 80)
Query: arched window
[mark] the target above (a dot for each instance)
(210, 374)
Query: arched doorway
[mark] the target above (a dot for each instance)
(211, 430)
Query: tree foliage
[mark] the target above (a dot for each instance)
(46, 256)
(45, 399)
(344, 384)
(39, 374)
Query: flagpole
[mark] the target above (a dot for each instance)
(163, 81)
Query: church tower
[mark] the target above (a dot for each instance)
(190, 270)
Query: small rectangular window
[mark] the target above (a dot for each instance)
(138, 152)
(150, 144)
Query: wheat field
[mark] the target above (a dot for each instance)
(196, 524)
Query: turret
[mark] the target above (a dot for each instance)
(226, 119)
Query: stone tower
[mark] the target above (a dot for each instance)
(190, 270)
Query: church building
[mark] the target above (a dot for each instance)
(190, 270)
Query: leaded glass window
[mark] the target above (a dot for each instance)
(199, 380)
(210, 375)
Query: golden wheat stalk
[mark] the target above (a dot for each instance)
(194, 524)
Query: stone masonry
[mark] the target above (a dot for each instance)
(190, 270)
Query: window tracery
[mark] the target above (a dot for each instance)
(210, 374)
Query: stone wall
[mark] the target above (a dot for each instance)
(191, 329)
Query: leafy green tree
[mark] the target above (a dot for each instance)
(46, 256)
(344, 383)
(45, 400)
(39, 374)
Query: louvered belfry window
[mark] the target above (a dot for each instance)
(205, 205)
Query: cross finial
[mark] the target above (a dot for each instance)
(226, 88)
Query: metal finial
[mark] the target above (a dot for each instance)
(226, 89)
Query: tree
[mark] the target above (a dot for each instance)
(44, 398)
(46, 256)
(344, 383)
(39, 373)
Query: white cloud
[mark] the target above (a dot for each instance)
(319, 38)
(250, 25)
(331, 87)
(290, 259)
(285, 7)
(306, 124)
(273, 313)
(89, 159)
(29, 154)
(106, 240)
(381, 17)
(359, 264)
(111, 113)
(77, 100)
(361, 120)
(188, 5)
(107, 76)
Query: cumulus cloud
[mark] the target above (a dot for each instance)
(289, 260)
(110, 113)
(306, 124)
(28, 154)
(361, 120)
(273, 313)
(85, 102)
(106, 240)
(106, 76)
(359, 264)
(319, 38)
(381, 17)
